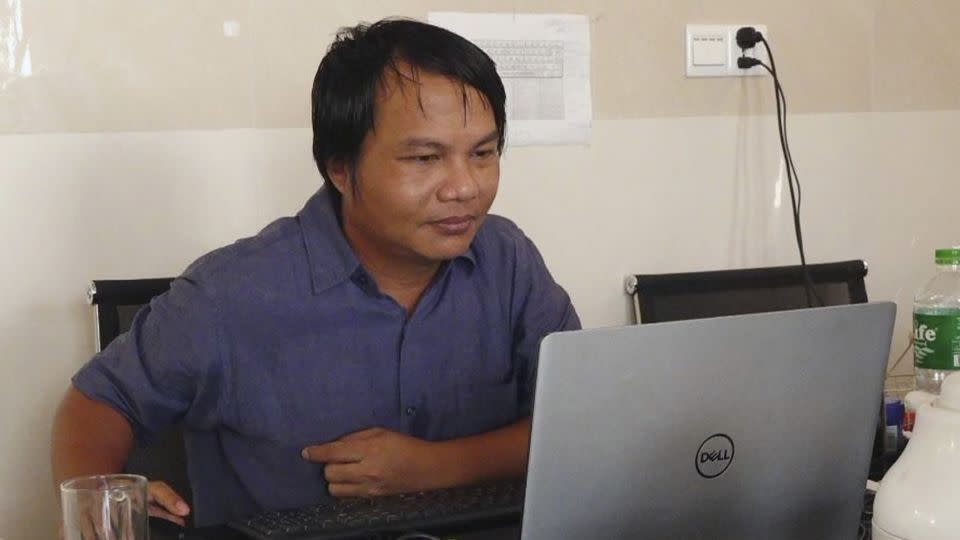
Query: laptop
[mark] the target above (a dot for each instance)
(754, 426)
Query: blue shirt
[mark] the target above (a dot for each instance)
(282, 340)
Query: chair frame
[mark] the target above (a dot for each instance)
(645, 288)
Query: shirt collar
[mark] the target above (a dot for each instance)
(330, 256)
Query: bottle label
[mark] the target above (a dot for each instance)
(936, 341)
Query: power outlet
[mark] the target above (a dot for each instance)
(712, 51)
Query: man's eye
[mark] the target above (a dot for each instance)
(424, 158)
(484, 153)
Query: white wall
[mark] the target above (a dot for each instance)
(124, 192)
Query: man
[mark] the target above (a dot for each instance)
(383, 340)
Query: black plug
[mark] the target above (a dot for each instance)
(748, 37)
(745, 62)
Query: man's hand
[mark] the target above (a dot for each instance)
(165, 503)
(375, 462)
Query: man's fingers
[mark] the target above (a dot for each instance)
(87, 528)
(334, 452)
(159, 512)
(343, 450)
(164, 497)
(348, 473)
(349, 490)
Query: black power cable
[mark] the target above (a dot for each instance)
(747, 38)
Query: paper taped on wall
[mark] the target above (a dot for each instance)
(544, 61)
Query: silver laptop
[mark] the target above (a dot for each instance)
(756, 426)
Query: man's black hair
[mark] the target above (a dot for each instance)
(360, 60)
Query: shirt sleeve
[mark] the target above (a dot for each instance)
(166, 368)
(541, 307)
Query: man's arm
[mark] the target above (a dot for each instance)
(381, 462)
(501, 453)
(90, 437)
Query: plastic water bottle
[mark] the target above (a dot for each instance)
(936, 323)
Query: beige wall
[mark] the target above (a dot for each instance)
(140, 136)
(114, 65)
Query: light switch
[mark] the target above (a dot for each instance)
(709, 50)
(712, 51)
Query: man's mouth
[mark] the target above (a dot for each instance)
(454, 225)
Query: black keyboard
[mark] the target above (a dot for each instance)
(445, 509)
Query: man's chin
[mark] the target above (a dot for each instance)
(448, 248)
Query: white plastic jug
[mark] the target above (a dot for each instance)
(919, 497)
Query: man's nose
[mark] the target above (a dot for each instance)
(460, 182)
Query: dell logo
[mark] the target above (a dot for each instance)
(714, 455)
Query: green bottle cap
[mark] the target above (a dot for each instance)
(948, 256)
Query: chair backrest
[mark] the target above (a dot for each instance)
(115, 303)
(694, 295)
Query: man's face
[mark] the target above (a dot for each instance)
(426, 175)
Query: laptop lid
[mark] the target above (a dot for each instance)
(754, 426)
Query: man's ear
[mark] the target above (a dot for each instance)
(339, 173)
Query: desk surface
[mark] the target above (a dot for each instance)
(499, 533)
(221, 532)
(168, 531)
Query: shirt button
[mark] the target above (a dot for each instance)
(411, 411)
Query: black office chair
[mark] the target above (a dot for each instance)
(116, 302)
(694, 295)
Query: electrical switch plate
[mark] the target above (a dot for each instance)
(712, 51)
